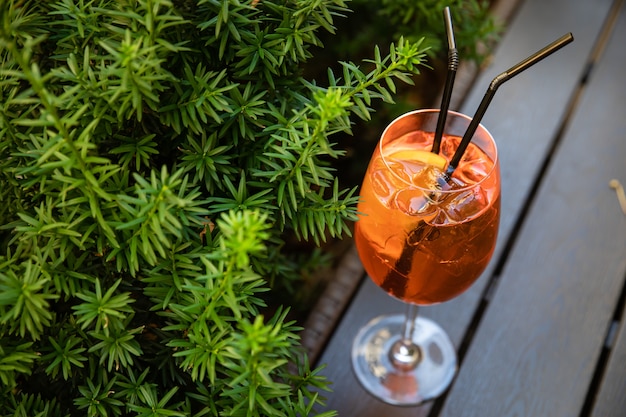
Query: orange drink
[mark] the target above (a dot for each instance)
(427, 228)
(421, 238)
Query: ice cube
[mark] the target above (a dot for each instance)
(462, 205)
(428, 177)
(382, 186)
(413, 202)
(422, 232)
(473, 167)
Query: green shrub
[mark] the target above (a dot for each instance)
(156, 159)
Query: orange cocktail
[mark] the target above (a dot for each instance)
(425, 233)
(422, 240)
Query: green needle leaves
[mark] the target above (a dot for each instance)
(157, 160)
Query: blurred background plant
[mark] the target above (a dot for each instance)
(168, 179)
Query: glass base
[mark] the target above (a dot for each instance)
(374, 369)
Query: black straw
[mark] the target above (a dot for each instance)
(491, 91)
(453, 64)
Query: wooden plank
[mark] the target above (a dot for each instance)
(537, 347)
(527, 133)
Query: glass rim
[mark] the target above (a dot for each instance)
(480, 128)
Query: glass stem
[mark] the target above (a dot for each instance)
(404, 354)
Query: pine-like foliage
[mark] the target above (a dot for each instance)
(154, 155)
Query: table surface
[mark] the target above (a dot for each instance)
(542, 332)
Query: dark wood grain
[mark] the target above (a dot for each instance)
(611, 401)
(538, 344)
(524, 117)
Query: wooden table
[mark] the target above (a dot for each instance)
(543, 331)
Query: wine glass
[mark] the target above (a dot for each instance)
(424, 238)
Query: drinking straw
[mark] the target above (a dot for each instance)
(491, 91)
(453, 64)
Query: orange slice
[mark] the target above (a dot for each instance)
(420, 155)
